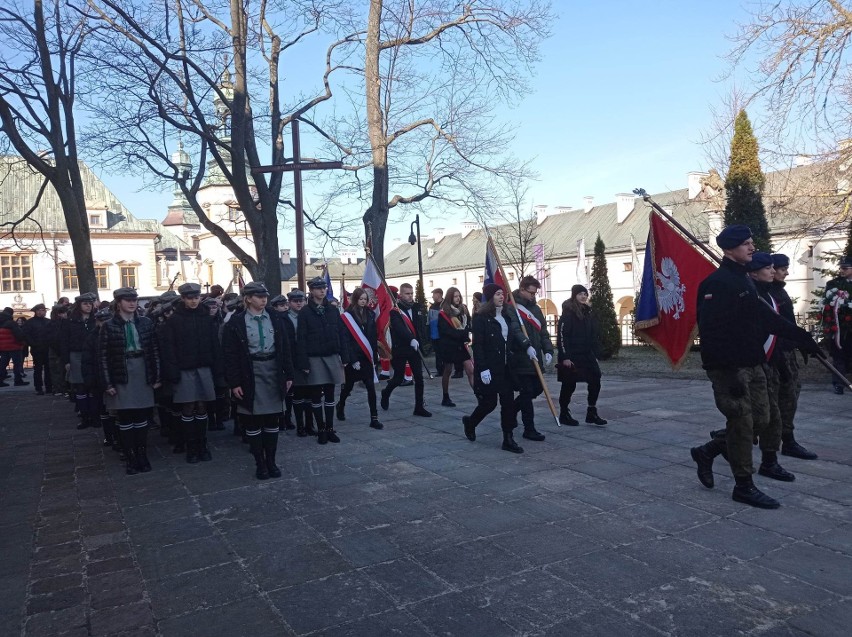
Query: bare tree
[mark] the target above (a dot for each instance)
(433, 75)
(517, 231)
(38, 77)
(208, 74)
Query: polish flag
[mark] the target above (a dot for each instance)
(380, 302)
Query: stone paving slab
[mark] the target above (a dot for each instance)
(414, 530)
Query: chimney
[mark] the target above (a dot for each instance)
(468, 227)
(693, 182)
(588, 203)
(624, 204)
(307, 256)
(439, 234)
(285, 256)
(348, 256)
(540, 213)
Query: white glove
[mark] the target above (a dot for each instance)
(485, 376)
(548, 359)
(532, 353)
(356, 366)
(414, 344)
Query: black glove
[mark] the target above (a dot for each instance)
(812, 347)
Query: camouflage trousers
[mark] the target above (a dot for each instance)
(742, 395)
(788, 394)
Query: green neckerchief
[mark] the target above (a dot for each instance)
(129, 338)
(259, 319)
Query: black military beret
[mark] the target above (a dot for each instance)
(780, 260)
(732, 236)
(759, 260)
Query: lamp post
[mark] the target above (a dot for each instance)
(412, 239)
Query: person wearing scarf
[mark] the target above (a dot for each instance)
(359, 323)
(454, 324)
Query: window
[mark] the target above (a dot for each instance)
(482, 278)
(70, 282)
(431, 283)
(628, 267)
(196, 243)
(511, 276)
(128, 276)
(210, 279)
(237, 271)
(16, 274)
(455, 281)
(95, 221)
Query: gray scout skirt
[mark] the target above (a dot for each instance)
(195, 385)
(325, 370)
(136, 393)
(268, 395)
(75, 372)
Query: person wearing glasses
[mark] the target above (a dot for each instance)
(837, 320)
(523, 366)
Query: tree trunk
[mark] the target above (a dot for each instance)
(376, 217)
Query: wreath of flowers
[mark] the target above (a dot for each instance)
(837, 310)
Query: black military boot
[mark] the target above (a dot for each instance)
(509, 443)
(592, 417)
(530, 433)
(789, 447)
(256, 448)
(747, 493)
(770, 468)
(704, 456)
(330, 433)
(566, 418)
(270, 447)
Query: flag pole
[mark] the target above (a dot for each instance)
(715, 257)
(523, 328)
(396, 307)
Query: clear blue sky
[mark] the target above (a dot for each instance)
(620, 98)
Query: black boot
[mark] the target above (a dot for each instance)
(270, 447)
(446, 402)
(84, 421)
(592, 417)
(190, 436)
(127, 439)
(385, 401)
(374, 422)
(469, 428)
(703, 457)
(299, 411)
(341, 407)
(322, 435)
(329, 424)
(106, 425)
(747, 493)
(256, 448)
(141, 438)
(309, 421)
(770, 468)
(509, 443)
(566, 418)
(530, 433)
(288, 421)
(201, 431)
(793, 449)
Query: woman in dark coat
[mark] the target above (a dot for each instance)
(129, 358)
(359, 343)
(73, 332)
(495, 333)
(579, 345)
(259, 372)
(454, 324)
(92, 377)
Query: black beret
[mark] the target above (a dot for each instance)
(780, 260)
(759, 260)
(732, 236)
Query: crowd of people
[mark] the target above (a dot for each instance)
(197, 361)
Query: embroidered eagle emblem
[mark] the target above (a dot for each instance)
(669, 288)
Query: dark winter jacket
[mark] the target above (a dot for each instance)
(37, 331)
(190, 340)
(350, 350)
(72, 336)
(451, 339)
(490, 351)
(733, 321)
(578, 340)
(112, 356)
(401, 334)
(54, 335)
(89, 362)
(785, 309)
(318, 333)
(239, 371)
(11, 335)
(539, 338)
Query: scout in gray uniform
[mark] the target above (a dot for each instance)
(73, 332)
(191, 360)
(300, 392)
(259, 373)
(281, 305)
(318, 356)
(129, 359)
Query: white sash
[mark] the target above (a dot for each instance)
(360, 338)
(529, 317)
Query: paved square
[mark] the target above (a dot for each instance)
(414, 530)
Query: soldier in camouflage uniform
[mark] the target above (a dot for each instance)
(732, 322)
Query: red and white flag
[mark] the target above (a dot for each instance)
(380, 302)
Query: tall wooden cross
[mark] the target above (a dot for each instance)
(296, 167)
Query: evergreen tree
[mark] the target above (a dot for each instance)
(602, 302)
(744, 184)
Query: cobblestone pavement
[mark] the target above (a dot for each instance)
(414, 530)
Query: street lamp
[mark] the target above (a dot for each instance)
(412, 239)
